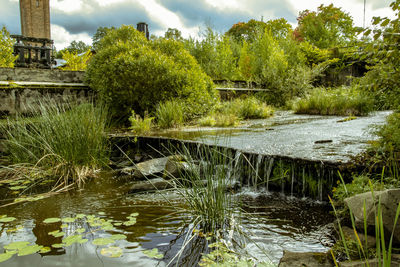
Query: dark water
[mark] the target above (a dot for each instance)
(288, 134)
(273, 222)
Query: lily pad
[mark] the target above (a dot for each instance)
(102, 241)
(28, 250)
(68, 220)
(111, 252)
(44, 250)
(64, 225)
(69, 240)
(102, 213)
(7, 219)
(80, 230)
(57, 245)
(118, 237)
(5, 256)
(52, 220)
(131, 222)
(57, 233)
(153, 254)
(80, 216)
(17, 245)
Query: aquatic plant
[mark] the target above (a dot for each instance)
(340, 101)
(62, 142)
(170, 114)
(140, 125)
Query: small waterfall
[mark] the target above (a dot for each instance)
(304, 182)
(257, 167)
(292, 185)
(268, 171)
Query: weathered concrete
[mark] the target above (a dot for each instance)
(23, 97)
(41, 75)
(306, 259)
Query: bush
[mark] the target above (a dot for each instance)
(6, 49)
(170, 114)
(131, 72)
(389, 134)
(75, 62)
(219, 120)
(340, 101)
(247, 108)
(140, 125)
(63, 141)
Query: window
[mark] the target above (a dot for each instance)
(37, 3)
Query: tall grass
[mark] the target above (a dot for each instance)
(140, 125)
(170, 114)
(340, 101)
(66, 142)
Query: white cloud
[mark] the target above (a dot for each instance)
(63, 38)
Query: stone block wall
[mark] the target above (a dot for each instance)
(41, 75)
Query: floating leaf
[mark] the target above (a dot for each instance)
(68, 220)
(69, 240)
(57, 245)
(130, 223)
(118, 224)
(17, 245)
(64, 225)
(80, 230)
(57, 233)
(80, 216)
(135, 214)
(153, 254)
(5, 256)
(52, 220)
(44, 250)
(118, 237)
(102, 213)
(83, 241)
(7, 219)
(102, 241)
(28, 250)
(111, 252)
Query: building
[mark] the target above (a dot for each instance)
(35, 18)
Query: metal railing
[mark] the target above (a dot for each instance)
(33, 52)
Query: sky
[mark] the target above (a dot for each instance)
(79, 19)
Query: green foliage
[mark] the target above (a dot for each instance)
(173, 33)
(75, 62)
(131, 72)
(170, 114)
(64, 141)
(219, 120)
(74, 48)
(383, 79)
(99, 34)
(328, 27)
(140, 125)
(339, 101)
(6, 49)
(389, 134)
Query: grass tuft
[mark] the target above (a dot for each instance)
(170, 114)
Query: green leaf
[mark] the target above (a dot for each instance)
(135, 214)
(68, 220)
(111, 252)
(17, 245)
(102, 241)
(80, 230)
(118, 237)
(7, 219)
(102, 213)
(153, 254)
(385, 22)
(80, 216)
(57, 233)
(29, 250)
(57, 245)
(5, 256)
(45, 250)
(18, 187)
(69, 240)
(52, 220)
(64, 225)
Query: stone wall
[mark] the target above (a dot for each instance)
(41, 75)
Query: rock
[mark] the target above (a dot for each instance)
(389, 200)
(349, 233)
(151, 185)
(176, 167)
(371, 263)
(306, 259)
(323, 141)
(151, 168)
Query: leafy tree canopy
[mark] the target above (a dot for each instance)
(100, 33)
(327, 27)
(6, 49)
(173, 33)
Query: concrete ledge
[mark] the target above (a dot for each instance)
(41, 75)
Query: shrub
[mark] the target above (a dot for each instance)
(62, 141)
(170, 114)
(6, 49)
(140, 125)
(219, 120)
(131, 72)
(341, 101)
(75, 62)
(247, 108)
(389, 134)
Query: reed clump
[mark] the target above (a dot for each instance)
(66, 142)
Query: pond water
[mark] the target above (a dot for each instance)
(272, 221)
(286, 134)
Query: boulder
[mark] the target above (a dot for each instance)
(159, 167)
(349, 234)
(389, 200)
(306, 259)
(151, 185)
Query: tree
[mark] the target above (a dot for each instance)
(246, 30)
(6, 49)
(75, 62)
(100, 33)
(131, 72)
(328, 27)
(173, 33)
(75, 47)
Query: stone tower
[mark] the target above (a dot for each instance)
(35, 18)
